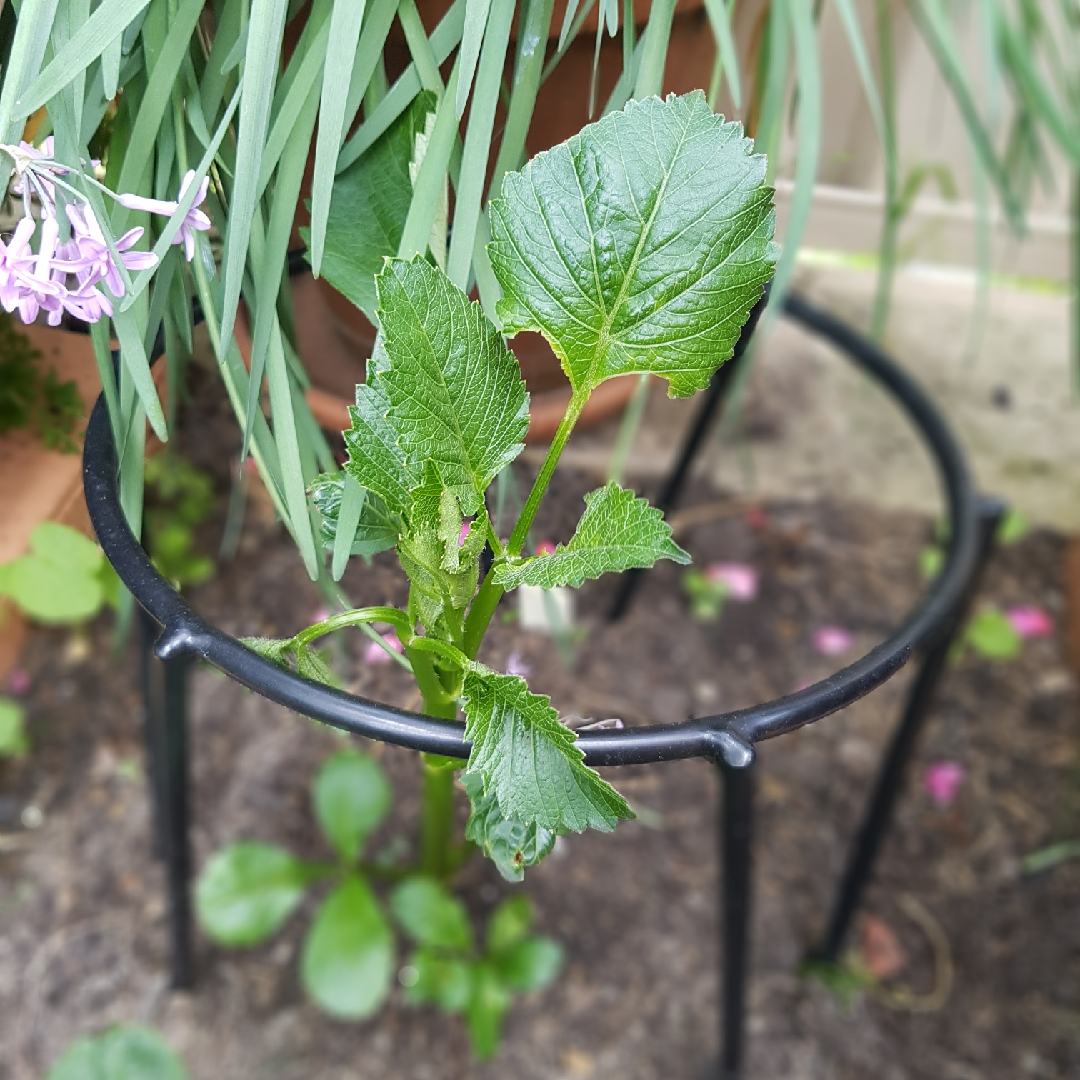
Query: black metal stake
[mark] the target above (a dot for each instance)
(719, 386)
(177, 849)
(890, 778)
(736, 809)
(153, 735)
(730, 736)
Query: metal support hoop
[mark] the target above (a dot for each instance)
(727, 737)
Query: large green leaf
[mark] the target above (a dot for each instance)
(247, 890)
(128, 1052)
(529, 761)
(442, 387)
(368, 207)
(641, 244)
(348, 952)
(617, 531)
(431, 915)
(351, 796)
(376, 530)
(511, 844)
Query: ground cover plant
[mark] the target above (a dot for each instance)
(641, 245)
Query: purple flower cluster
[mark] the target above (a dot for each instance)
(63, 276)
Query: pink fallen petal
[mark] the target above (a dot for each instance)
(942, 781)
(1030, 621)
(515, 665)
(545, 547)
(376, 654)
(832, 640)
(19, 682)
(320, 614)
(463, 535)
(740, 580)
(756, 519)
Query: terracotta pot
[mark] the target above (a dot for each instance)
(335, 338)
(37, 484)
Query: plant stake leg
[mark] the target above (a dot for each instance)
(735, 827)
(165, 695)
(177, 849)
(149, 672)
(883, 801)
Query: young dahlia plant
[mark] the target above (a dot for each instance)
(64, 275)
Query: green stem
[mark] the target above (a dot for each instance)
(532, 503)
(398, 619)
(487, 599)
(437, 820)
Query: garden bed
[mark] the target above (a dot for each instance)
(82, 928)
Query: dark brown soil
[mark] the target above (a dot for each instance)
(82, 929)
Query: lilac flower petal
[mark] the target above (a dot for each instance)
(942, 780)
(463, 535)
(154, 206)
(545, 547)
(832, 640)
(1030, 621)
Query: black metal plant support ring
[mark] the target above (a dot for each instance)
(726, 739)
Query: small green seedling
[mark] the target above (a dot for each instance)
(125, 1052)
(63, 579)
(706, 595)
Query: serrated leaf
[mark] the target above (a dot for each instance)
(529, 761)
(368, 207)
(445, 981)
(247, 890)
(640, 245)
(348, 953)
(617, 531)
(273, 649)
(351, 795)
(531, 964)
(127, 1052)
(431, 915)
(509, 923)
(507, 841)
(454, 391)
(312, 664)
(375, 459)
